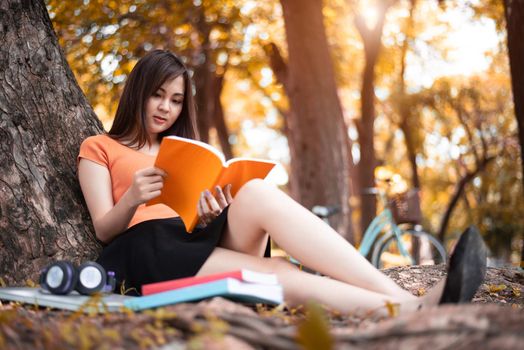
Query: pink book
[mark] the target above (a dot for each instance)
(241, 275)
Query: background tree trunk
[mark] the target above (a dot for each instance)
(317, 131)
(404, 104)
(218, 117)
(514, 12)
(208, 90)
(43, 118)
(372, 39)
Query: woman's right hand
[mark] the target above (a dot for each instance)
(147, 184)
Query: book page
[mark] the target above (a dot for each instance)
(190, 169)
(241, 170)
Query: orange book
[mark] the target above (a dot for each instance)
(193, 167)
(243, 275)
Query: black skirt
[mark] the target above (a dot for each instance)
(159, 250)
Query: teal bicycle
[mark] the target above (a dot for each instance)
(395, 237)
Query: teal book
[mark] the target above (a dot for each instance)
(228, 288)
(72, 301)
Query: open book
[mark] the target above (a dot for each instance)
(194, 166)
(72, 301)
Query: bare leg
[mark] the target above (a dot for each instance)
(259, 208)
(301, 287)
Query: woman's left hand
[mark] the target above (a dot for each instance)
(209, 206)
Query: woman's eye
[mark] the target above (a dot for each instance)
(177, 102)
(156, 94)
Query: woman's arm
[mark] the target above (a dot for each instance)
(110, 219)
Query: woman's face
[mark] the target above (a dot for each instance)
(164, 106)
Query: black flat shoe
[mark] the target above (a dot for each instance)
(467, 268)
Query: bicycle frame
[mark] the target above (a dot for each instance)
(376, 226)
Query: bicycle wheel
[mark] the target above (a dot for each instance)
(430, 250)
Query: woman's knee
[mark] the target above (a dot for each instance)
(254, 192)
(253, 186)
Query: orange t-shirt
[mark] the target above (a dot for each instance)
(122, 163)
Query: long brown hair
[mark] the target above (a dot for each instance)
(148, 75)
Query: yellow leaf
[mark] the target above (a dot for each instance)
(2, 282)
(421, 291)
(516, 291)
(123, 290)
(495, 288)
(30, 283)
(393, 308)
(313, 332)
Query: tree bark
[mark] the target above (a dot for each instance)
(514, 13)
(371, 37)
(317, 131)
(43, 118)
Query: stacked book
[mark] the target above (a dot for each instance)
(242, 285)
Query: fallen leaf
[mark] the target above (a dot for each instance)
(495, 288)
(393, 308)
(30, 283)
(313, 333)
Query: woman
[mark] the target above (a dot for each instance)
(149, 244)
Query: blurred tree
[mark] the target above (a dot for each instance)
(104, 39)
(316, 129)
(370, 30)
(403, 102)
(467, 113)
(227, 44)
(514, 14)
(43, 118)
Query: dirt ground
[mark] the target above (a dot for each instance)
(495, 319)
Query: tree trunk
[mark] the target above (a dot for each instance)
(317, 131)
(218, 117)
(201, 78)
(366, 166)
(208, 90)
(514, 13)
(281, 71)
(404, 105)
(43, 118)
(367, 162)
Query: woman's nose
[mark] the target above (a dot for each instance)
(164, 105)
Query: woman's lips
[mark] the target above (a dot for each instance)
(159, 120)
